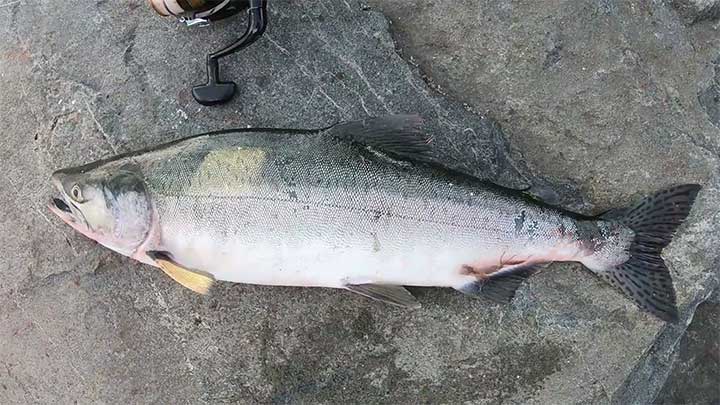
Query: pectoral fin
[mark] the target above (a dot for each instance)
(198, 281)
(391, 294)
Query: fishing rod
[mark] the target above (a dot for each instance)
(203, 12)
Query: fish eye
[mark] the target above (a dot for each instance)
(76, 193)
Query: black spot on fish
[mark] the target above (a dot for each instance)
(532, 228)
(592, 234)
(519, 221)
(562, 230)
(292, 194)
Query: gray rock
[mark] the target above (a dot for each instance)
(662, 373)
(696, 372)
(709, 97)
(83, 80)
(698, 10)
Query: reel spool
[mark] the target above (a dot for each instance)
(203, 12)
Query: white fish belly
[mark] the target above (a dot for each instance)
(322, 246)
(316, 265)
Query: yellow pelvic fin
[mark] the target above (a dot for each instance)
(198, 281)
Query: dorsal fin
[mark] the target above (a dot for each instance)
(397, 135)
(402, 137)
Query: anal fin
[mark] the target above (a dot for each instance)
(392, 294)
(195, 280)
(500, 287)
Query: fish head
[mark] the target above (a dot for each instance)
(108, 204)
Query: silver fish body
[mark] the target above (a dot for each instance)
(324, 209)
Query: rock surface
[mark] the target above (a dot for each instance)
(600, 103)
(698, 10)
(694, 380)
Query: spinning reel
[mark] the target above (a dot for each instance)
(203, 12)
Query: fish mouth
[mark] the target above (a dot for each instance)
(68, 212)
(62, 209)
(61, 205)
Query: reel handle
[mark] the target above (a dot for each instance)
(216, 91)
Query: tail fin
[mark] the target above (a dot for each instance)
(644, 277)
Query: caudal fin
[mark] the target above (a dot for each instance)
(644, 276)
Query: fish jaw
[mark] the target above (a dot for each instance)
(70, 219)
(83, 229)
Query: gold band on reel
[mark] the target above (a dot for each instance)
(179, 7)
